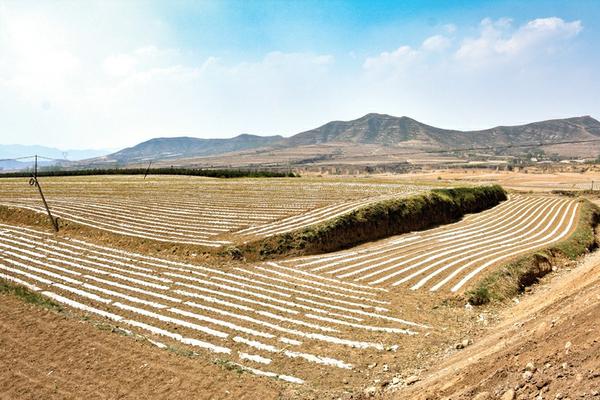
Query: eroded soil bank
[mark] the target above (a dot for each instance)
(548, 345)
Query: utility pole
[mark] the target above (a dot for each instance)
(34, 182)
(148, 169)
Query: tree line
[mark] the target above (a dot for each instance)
(211, 173)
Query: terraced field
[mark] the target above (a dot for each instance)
(312, 319)
(452, 256)
(198, 211)
(267, 319)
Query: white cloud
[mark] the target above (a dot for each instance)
(37, 61)
(119, 65)
(497, 42)
(216, 98)
(394, 61)
(450, 28)
(500, 75)
(86, 86)
(540, 32)
(436, 43)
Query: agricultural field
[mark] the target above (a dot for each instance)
(267, 319)
(536, 179)
(198, 211)
(451, 256)
(336, 321)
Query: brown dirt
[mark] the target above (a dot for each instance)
(89, 362)
(556, 328)
(310, 193)
(538, 179)
(47, 355)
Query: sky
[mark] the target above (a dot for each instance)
(110, 74)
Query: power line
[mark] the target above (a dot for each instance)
(32, 158)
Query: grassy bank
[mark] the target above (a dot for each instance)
(513, 278)
(380, 220)
(27, 295)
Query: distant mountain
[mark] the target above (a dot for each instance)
(181, 147)
(19, 150)
(382, 131)
(556, 130)
(8, 152)
(371, 129)
(387, 130)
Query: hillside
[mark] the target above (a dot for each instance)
(388, 130)
(371, 129)
(179, 147)
(372, 135)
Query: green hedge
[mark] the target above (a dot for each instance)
(211, 173)
(382, 219)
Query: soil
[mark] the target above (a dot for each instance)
(537, 179)
(50, 355)
(556, 329)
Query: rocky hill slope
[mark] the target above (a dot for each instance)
(379, 130)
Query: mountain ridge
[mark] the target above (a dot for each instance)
(373, 129)
(187, 146)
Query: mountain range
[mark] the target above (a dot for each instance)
(8, 152)
(379, 133)
(182, 147)
(371, 139)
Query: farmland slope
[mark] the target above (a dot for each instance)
(189, 211)
(381, 219)
(555, 330)
(288, 323)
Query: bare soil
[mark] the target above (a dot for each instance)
(44, 354)
(538, 179)
(556, 329)
(50, 355)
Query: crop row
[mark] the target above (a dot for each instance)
(265, 316)
(200, 213)
(452, 256)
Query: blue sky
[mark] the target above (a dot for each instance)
(80, 74)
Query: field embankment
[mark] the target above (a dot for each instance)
(513, 278)
(380, 220)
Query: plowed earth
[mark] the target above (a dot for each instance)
(554, 333)
(450, 257)
(197, 211)
(313, 334)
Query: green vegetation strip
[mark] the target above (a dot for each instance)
(27, 295)
(211, 173)
(380, 220)
(513, 278)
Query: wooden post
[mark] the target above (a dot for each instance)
(34, 182)
(52, 219)
(148, 169)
